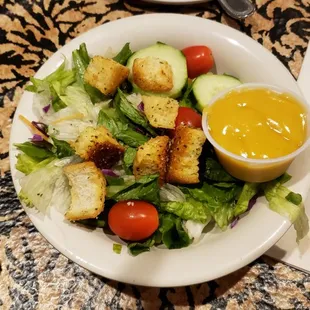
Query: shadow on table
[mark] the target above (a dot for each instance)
(278, 252)
(212, 292)
(160, 7)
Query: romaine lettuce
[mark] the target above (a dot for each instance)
(146, 188)
(190, 209)
(34, 151)
(133, 113)
(123, 54)
(136, 248)
(215, 172)
(249, 190)
(81, 60)
(120, 129)
(173, 234)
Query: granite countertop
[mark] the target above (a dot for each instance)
(33, 275)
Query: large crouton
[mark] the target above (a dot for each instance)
(184, 154)
(88, 190)
(97, 145)
(105, 74)
(152, 74)
(160, 111)
(152, 158)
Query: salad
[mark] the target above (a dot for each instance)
(118, 144)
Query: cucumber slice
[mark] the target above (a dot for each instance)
(207, 86)
(176, 60)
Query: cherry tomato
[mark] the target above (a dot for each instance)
(199, 60)
(189, 117)
(133, 220)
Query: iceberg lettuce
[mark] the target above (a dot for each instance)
(40, 187)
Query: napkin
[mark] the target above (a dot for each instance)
(286, 250)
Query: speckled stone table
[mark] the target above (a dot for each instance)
(33, 275)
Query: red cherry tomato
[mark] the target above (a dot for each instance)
(188, 117)
(199, 60)
(133, 220)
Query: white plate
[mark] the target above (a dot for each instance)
(218, 253)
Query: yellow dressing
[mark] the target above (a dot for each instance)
(258, 123)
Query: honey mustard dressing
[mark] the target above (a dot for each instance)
(258, 123)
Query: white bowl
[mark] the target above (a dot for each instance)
(218, 253)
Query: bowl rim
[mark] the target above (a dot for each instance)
(254, 161)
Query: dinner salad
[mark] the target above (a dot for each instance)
(118, 144)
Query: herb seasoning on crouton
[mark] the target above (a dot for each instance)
(184, 155)
(152, 74)
(105, 74)
(97, 145)
(161, 111)
(152, 158)
(88, 190)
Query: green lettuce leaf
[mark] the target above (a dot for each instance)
(288, 204)
(129, 158)
(215, 172)
(170, 232)
(113, 189)
(62, 148)
(211, 193)
(53, 86)
(137, 248)
(123, 54)
(134, 114)
(34, 151)
(92, 222)
(114, 180)
(190, 209)
(249, 190)
(119, 129)
(220, 201)
(146, 188)
(81, 60)
(173, 234)
(185, 100)
(117, 248)
(27, 164)
(294, 198)
(222, 213)
(58, 105)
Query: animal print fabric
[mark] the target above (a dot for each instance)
(33, 275)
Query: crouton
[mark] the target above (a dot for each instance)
(88, 190)
(97, 145)
(152, 158)
(105, 74)
(152, 74)
(160, 111)
(184, 155)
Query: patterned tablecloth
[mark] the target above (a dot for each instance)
(33, 275)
